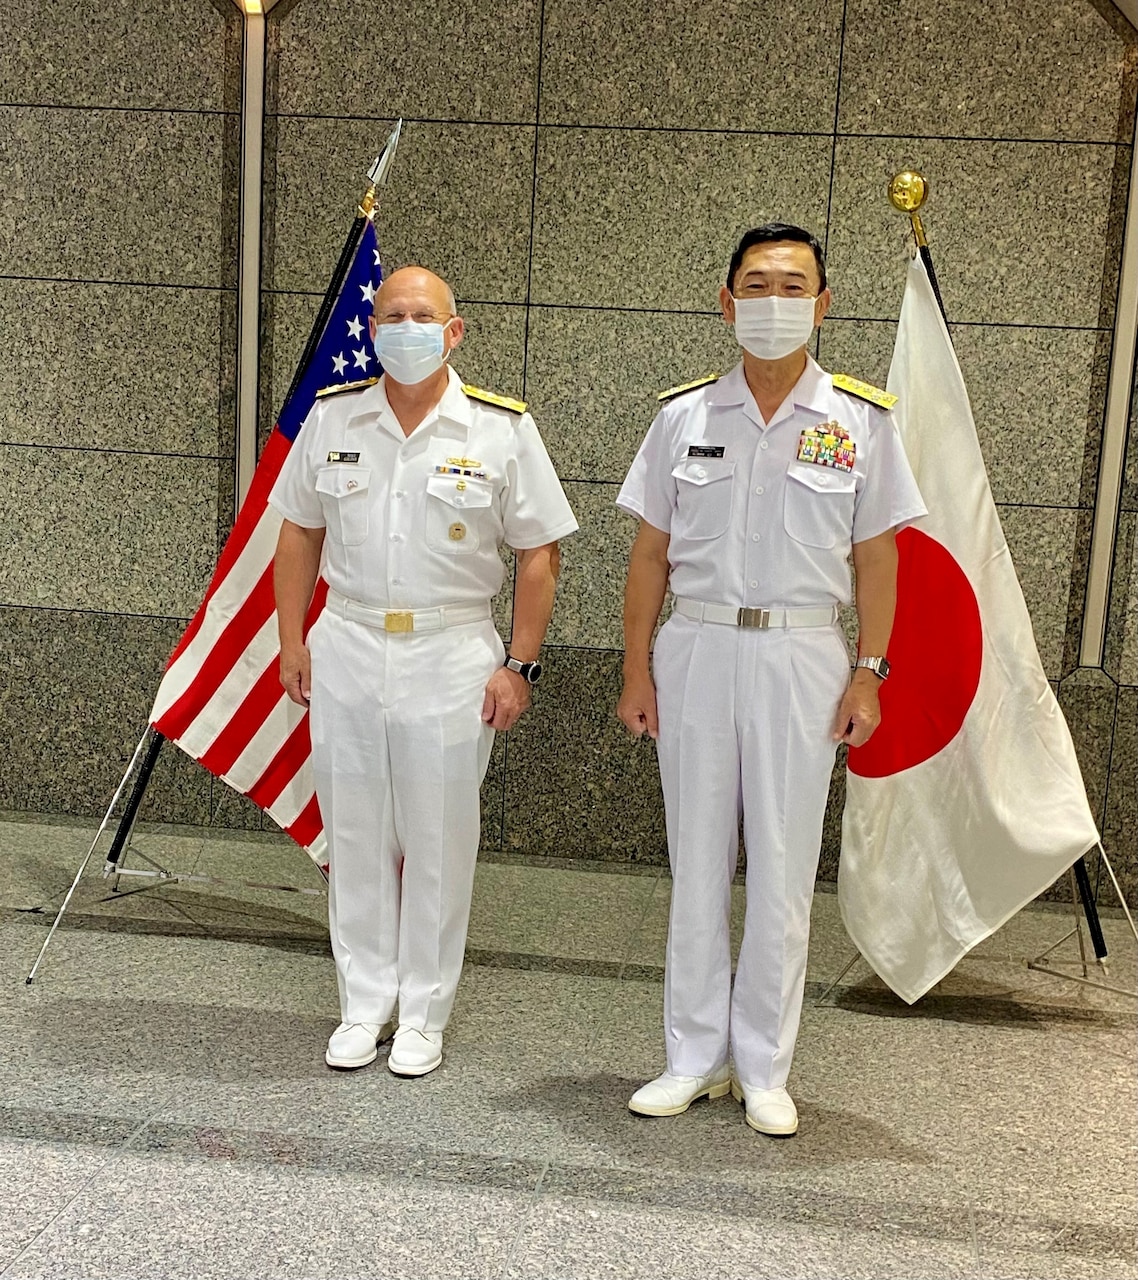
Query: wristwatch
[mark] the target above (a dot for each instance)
(529, 671)
(879, 666)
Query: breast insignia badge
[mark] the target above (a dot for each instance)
(457, 531)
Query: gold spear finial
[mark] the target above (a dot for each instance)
(908, 190)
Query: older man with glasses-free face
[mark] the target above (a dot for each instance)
(403, 488)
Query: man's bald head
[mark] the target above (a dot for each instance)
(414, 293)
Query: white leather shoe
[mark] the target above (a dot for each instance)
(415, 1052)
(769, 1111)
(353, 1044)
(670, 1095)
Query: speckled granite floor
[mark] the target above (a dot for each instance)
(165, 1110)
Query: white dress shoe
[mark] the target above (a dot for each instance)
(669, 1095)
(353, 1044)
(769, 1111)
(415, 1052)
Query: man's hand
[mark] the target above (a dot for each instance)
(296, 673)
(637, 706)
(860, 712)
(507, 698)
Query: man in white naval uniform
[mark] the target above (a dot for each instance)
(404, 487)
(751, 490)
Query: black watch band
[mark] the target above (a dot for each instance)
(530, 672)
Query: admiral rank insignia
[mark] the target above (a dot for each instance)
(672, 392)
(864, 391)
(337, 387)
(827, 445)
(489, 397)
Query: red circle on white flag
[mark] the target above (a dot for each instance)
(935, 654)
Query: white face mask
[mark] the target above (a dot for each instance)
(410, 351)
(770, 328)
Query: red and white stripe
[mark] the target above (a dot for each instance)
(221, 699)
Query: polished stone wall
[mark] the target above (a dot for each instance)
(119, 144)
(580, 172)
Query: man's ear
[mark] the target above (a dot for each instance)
(727, 305)
(455, 331)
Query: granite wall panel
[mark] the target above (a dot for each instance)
(172, 54)
(733, 67)
(958, 69)
(648, 219)
(124, 367)
(77, 689)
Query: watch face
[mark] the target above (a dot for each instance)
(534, 673)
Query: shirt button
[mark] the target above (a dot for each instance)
(762, 444)
(754, 582)
(759, 489)
(395, 537)
(755, 537)
(396, 582)
(399, 493)
(701, 472)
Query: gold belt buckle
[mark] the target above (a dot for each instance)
(760, 618)
(401, 621)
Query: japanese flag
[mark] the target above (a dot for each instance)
(967, 802)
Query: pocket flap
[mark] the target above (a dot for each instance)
(822, 479)
(342, 480)
(703, 470)
(460, 491)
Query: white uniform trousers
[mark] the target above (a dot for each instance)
(746, 724)
(399, 751)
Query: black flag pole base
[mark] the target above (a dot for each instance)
(1080, 970)
(94, 843)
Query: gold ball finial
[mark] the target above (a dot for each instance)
(908, 191)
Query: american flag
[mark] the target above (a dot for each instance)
(220, 699)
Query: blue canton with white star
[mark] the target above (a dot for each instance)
(344, 352)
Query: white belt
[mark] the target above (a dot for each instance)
(405, 620)
(763, 619)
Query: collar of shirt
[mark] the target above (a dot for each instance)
(811, 391)
(451, 416)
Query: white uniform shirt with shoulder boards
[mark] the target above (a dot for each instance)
(416, 521)
(752, 524)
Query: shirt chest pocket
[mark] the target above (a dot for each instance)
(704, 492)
(459, 513)
(819, 504)
(343, 493)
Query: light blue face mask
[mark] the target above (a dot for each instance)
(410, 351)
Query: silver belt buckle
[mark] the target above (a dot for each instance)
(760, 618)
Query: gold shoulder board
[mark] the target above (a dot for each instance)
(672, 392)
(864, 391)
(337, 387)
(503, 402)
